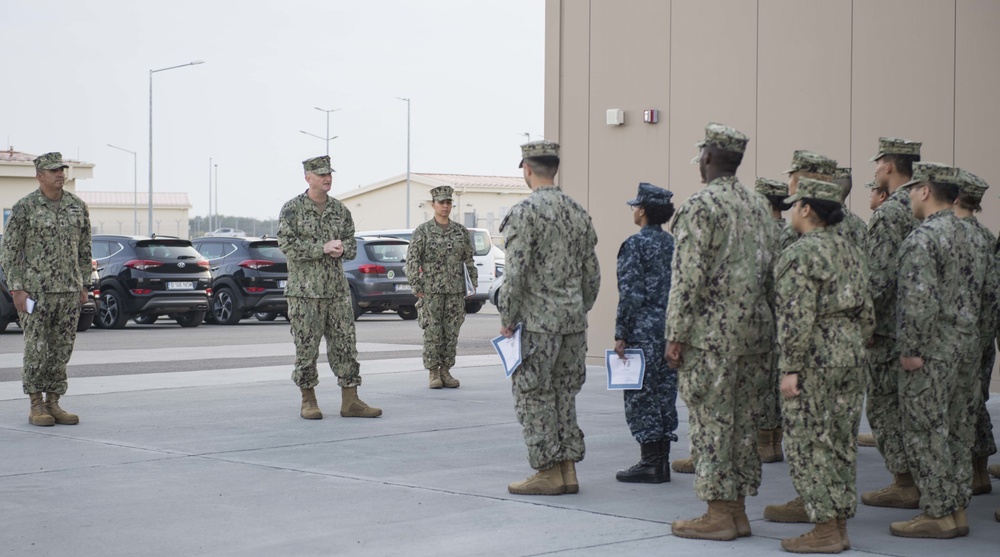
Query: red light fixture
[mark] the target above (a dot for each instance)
(369, 269)
(142, 264)
(256, 264)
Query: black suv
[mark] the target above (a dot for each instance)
(377, 279)
(146, 277)
(248, 277)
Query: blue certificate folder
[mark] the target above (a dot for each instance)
(627, 374)
(509, 350)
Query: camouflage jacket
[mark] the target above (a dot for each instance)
(644, 285)
(786, 236)
(552, 276)
(854, 230)
(940, 285)
(302, 231)
(888, 227)
(825, 315)
(721, 272)
(46, 247)
(435, 258)
(989, 311)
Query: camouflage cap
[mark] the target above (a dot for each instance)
(933, 172)
(724, 137)
(766, 186)
(841, 173)
(816, 189)
(442, 193)
(50, 161)
(972, 185)
(896, 146)
(651, 195)
(541, 148)
(871, 185)
(318, 165)
(808, 161)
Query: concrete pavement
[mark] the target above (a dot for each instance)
(218, 462)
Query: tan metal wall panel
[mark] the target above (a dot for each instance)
(629, 70)
(904, 65)
(553, 68)
(574, 110)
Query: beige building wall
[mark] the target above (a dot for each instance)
(120, 220)
(18, 180)
(825, 75)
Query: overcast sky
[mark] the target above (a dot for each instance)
(76, 77)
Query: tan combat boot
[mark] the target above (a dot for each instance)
(683, 465)
(902, 494)
(981, 483)
(61, 416)
(717, 524)
(310, 409)
(738, 509)
(926, 526)
(448, 381)
(353, 407)
(994, 470)
(792, 511)
(842, 526)
(961, 522)
(866, 440)
(769, 445)
(543, 482)
(38, 415)
(568, 469)
(823, 538)
(435, 379)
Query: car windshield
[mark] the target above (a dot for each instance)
(481, 242)
(166, 249)
(386, 252)
(266, 250)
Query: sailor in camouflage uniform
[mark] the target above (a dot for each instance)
(889, 225)
(46, 255)
(550, 283)
(940, 288)
(852, 227)
(643, 290)
(720, 332)
(437, 261)
(825, 317)
(983, 354)
(316, 233)
(805, 164)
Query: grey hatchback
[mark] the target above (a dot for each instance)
(377, 279)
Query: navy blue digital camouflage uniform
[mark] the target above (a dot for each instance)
(643, 289)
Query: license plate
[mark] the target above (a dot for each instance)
(282, 283)
(186, 285)
(403, 288)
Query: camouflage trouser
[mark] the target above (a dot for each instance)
(770, 398)
(821, 425)
(962, 421)
(552, 371)
(49, 333)
(984, 444)
(313, 319)
(721, 394)
(883, 404)
(932, 407)
(441, 316)
(651, 412)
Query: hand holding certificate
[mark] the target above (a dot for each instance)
(509, 350)
(625, 374)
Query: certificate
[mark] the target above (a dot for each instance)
(509, 350)
(625, 374)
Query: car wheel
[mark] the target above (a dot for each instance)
(86, 320)
(114, 312)
(266, 315)
(145, 319)
(190, 319)
(224, 307)
(358, 310)
(408, 313)
(473, 307)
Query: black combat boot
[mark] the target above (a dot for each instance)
(649, 470)
(665, 461)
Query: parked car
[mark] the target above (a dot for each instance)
(377, 279)
(8, 314)
(147, 277)
(249, 276)
(226, 233)
(495, 292)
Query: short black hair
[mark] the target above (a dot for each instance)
(970, 202)
(829, 212)
(658, 214)
(945, 193)
(545, 166)
(778, 202)
(902, 163)
(726, 161)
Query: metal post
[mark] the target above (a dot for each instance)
(135, 187)
(217, 223)
(407, 160)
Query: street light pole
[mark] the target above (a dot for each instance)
(407, 160)
(151, 72)
(210, 194)
(135, 189)
(328, 138)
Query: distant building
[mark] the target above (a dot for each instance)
(116, 212)
(17, 178)
(480, 201)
